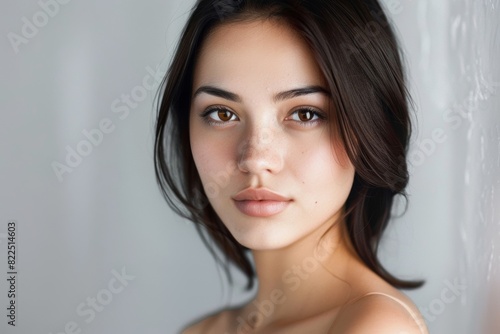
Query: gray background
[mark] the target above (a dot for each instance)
(107, 215)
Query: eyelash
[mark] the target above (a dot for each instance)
(209, 121)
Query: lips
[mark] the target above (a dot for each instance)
(260, 202)
(259, 194)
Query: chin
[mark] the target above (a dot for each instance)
(263, 245)
(263, 235)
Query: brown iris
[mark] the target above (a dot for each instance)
(224, 115)
(305, 112)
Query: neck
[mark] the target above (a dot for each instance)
(302, 274)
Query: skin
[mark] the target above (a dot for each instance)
(260, 142)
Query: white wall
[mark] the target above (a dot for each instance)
(75, 233)
(452, 230)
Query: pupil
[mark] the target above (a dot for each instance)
(305, 112)
(223, 115)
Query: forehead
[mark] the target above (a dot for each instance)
(267, 53)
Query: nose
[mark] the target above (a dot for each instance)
(261, 151)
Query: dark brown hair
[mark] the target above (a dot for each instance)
(358, 54)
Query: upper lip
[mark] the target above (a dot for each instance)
(259, 194)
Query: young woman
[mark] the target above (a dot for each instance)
(283, 130)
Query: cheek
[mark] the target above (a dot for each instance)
(324, 173)
(213, 160)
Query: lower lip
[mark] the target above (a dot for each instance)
(261, 208)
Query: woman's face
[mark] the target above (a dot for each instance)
(262, 137)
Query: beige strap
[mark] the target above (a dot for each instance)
(412, 313)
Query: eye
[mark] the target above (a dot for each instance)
(306, 116)
(222, 113)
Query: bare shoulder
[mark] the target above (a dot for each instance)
(203, 325)
(198, 326)
(380, 313)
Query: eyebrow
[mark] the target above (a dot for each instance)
(277, 98)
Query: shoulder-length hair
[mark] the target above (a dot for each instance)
(357, 51)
